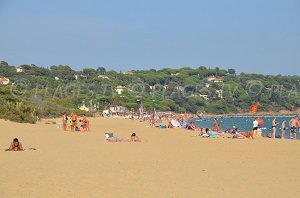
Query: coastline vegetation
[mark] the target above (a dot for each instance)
(47, 91)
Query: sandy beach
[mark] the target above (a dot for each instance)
(168, 163)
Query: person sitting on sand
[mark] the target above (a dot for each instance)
(134, 138)
(170, 125)
(16, 145)
(192, 126)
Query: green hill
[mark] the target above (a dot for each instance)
(47, 91)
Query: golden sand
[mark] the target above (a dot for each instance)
(168, 163)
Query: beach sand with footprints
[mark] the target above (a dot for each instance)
(167, 163)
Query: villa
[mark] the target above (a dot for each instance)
(4, 81)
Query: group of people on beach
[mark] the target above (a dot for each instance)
(234, 132)
(72, 123)
(294, 125)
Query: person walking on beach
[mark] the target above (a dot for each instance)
(294, 123)
(283, 129)
(274, 127)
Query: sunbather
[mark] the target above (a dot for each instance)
(134, 138)
(16, 145)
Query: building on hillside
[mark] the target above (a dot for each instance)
(128, 73)
(214, 79)
(84, 108)
(220, 93)
(176, 74)
(119, 89)
(207, 85)
(56, 78)
(20, 69)
(104, 77)
(4, 81)
(204, 96)
(118, 110)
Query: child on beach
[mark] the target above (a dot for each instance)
(16, 145)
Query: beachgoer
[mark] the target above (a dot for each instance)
(192, 126)
(170, 125)
(64, 121)
(283, 129)
(16, 145)
(216, 126)
(74, 121)
(274, 127)
(294, 123)
(255, 127)
(134, 138)
(85, 123)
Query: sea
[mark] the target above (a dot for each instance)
(245, 123)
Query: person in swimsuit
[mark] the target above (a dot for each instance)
(16, 145)
(274, 127)
(283, 129)
(294, 123)
(85, 123)
(65, 121)
(73, 117)
(134, 138)
(216, 125)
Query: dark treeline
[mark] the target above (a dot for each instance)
(46, 91)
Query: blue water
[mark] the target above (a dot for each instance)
(246, 124)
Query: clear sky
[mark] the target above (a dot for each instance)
(259, 36)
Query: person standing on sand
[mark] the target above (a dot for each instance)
(255, 127)
(283, 129)
(274, 127)
(64, 121)
(73, 117)
(216, 126)
(294, 124)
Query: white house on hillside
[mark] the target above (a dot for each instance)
(119, 89)
(20, 69)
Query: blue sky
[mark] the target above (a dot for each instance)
(251, 36)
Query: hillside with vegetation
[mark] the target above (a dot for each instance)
(34, 90)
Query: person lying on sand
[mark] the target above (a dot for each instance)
(16, 145)
(134, 138)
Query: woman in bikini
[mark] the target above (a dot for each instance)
(283, 129)
(274, 127)
(16, 145)
(65, 121)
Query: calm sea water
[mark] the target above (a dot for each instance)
(246, 123)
